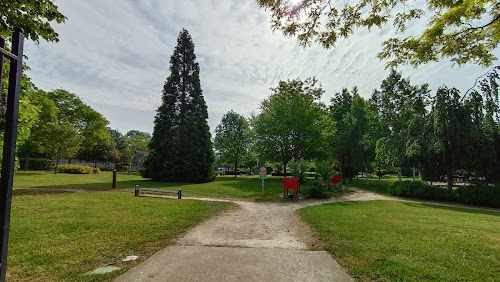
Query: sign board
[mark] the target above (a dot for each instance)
(263, 172)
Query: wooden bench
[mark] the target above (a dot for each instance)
(139, 189)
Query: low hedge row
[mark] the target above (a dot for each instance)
(78, 169)
(481, 195)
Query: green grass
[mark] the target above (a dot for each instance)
(62, 237)
(375, 185)
(241, 187)
(384, 240)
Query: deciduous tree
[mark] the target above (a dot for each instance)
(464, 31)
(232, 138)
(291, 122)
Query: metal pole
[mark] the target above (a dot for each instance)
(2, 45)
(9, 145)
(179, 194)
(262, 187)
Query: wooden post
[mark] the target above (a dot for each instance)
(114, 178)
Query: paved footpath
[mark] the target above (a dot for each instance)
(250, 242)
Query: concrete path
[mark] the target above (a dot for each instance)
(251, 242)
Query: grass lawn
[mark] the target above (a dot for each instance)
(375, 185)
(241, 187)
(62, 237)
(385, 240)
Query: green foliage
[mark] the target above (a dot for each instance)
(33, 16)
(316, 189)
(419, 190)
(77, 169)
(401, 108)
(325, 170)
(232, 138)
(350, 144)
(481, 195)
(464, 31)
(181, 147)
(291, 122)
(61, 141)
(35, 163)
(138, 140)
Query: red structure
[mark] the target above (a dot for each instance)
(336, 179)
(290, 183)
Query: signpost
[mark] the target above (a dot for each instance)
(263, 175)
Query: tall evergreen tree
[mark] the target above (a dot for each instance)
(181, 146)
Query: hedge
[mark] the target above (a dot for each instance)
(481, 195)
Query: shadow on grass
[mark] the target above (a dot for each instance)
(459, 208)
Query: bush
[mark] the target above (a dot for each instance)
(77, 169)
(35, 163)
(419, 190)
(316, 190)
(482, 195)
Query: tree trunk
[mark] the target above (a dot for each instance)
(413, 172)
(366, 170)
(57, 164)
(379, 174)
(69, 160)
(235, 169)
(399, 174)
(284, 169)
(449, 174)
(95, 164)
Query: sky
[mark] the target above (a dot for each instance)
(115, 57)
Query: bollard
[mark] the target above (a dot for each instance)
(179, 194)
(137, 190)
(114, 179)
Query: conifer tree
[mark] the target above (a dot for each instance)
(181, 146)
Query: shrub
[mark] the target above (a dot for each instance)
(316, 189)
(96, 170)
(483, 195)
(419, 190)
(77, 169)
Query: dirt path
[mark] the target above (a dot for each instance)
(250, 242)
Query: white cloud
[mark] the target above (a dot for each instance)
(115, 56)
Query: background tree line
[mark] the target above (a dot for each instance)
(401, 127)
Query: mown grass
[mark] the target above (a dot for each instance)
(62, 237)
(375, 185)
(384, 240)
(241, 187)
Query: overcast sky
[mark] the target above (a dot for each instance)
(115, 56)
